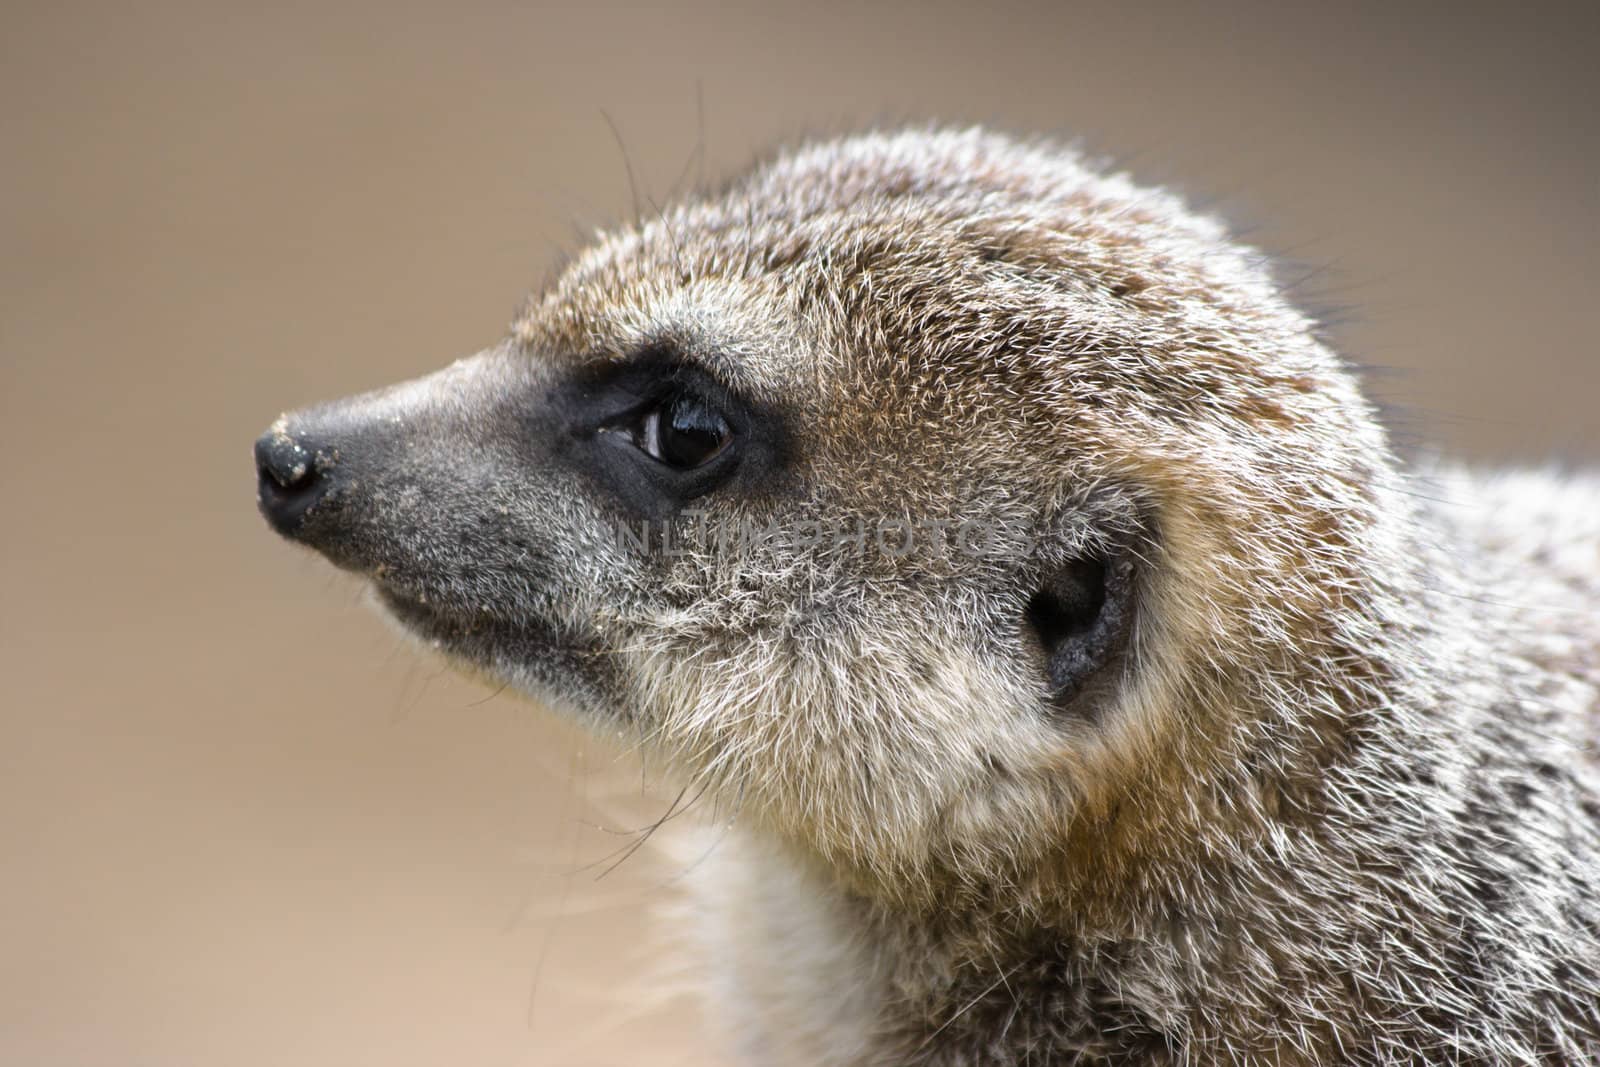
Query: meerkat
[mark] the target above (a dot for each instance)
(1035, 593)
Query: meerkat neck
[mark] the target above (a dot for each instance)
(817, 973)
(1160, 924)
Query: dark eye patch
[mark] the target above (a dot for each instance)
(658, 431)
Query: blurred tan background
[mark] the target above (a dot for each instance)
(240, 822)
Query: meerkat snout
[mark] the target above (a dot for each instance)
(1036, 596)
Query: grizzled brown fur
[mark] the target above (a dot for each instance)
(1334, 802)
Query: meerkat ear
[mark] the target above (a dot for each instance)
(1081, 614)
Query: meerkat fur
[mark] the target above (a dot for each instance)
(1242, 741)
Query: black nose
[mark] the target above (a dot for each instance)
(291, 476)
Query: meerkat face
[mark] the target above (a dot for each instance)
(880, 491)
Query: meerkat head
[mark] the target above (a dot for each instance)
(924, 497)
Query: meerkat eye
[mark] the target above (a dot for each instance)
(683, 432)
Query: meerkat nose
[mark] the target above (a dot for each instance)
(290, 477)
